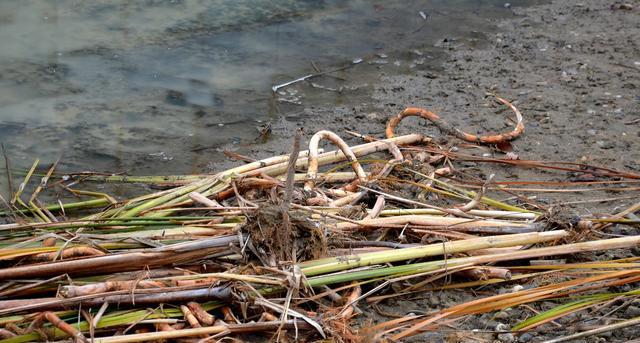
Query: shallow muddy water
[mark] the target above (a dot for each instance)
(160, 87)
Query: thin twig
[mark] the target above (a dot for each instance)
(291, 170)
(310, 76)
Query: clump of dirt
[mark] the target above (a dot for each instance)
(279, 236)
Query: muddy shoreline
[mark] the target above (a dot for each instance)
(573, 69)
(168, 85)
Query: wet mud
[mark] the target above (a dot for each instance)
(573, 69)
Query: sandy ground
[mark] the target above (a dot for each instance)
(573, 69)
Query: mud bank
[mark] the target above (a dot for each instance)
(573, 69)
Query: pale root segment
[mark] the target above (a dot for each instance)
(312, 171)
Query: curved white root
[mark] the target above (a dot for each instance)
(312, 172)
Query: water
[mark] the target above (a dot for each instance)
(160, 87)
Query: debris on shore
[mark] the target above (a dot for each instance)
(293, 247)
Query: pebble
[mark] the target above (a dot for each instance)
(632, 311)
(372, 116)
(591, 132)
(506, 337)
(502, 326)
(605, 144)
(525, 337)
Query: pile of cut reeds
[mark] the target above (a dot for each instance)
(278, 250)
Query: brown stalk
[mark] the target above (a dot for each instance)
(66, 254)
(291, 170)
(72, 291)
(207, 281)
(164, 327)
(189, 317)
(229, 317)
(166, 255)
(351, 302)
(122, 297)
(43, 182)
(29, 286)
(267, 317)
(76, 335)
(203, 316)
